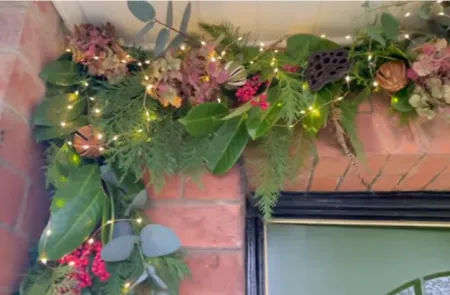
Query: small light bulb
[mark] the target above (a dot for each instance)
(146, 77)
(240, 38)
(48, 233)
(407, 14)
(310, 108)
(302, 112)
(213, 59)
(96, 57)
(140, 130)
(128, 56)
(68, 50)
(323, 36)
(139, 220)
(123, 61)
(406, 36)
(77, 92)
(109, 222)
(272, 63)
(63, 124)
(91, 98)
(86, 84)
(276, 50)
(99, 136)
(182, 47)
(127, 285)
(140, 64)
(149, 87)
(101, 149)
(219, 100)
(261, 49)
(340, 98)
(203, 43)
(275, 70)
(261, 44)
(69, 107)
(69, 143)
(91, 241)
(44, 260)
(347, 78)
(115, 137)
(85, 146)
(291, 126)
(147, 62)
(375, 83)
(369, 57)
(71, 263)
(223, 53)
(441, 13)
(348, 37)
(97, 110)
(251, 62)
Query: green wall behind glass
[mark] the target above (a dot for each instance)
(331, 260)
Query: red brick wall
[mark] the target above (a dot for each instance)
(29, 37)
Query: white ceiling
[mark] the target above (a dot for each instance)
(266, 20)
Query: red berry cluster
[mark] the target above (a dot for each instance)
(248, 91)
(79, 260)
(290, 68)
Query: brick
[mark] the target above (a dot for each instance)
(324, 184)
(441, 183)
(215, 274)
(14, 257)
(203, 225)
(434, 134)
(300, 184)
(367, 130)
(428, 168)
(369, 169)
(36, 212)
(173, 188)
(17, 74)
(400, 163)
(211, 187)
(331, 160)
(386, 183)
(12, 192)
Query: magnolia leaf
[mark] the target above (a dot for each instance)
(42, 133)
(106, 227)
(67, 160)
(185, 20)
(126, 182)
(158, 240)
(54, 110)
(151, 271)
(229, 142)
(108, 175)
(138, 202)
(142, 10)
(301, 46)
(260, 121)
(238, 111)
(391, 26)
(75, 212)
(61, 73)
(373, 33)
(176, 42)
(161, 41)
(204, 119)
(400, 100)
(139, 38)
(169, 16)
(119, 249)
(315, 120)
(122, 228)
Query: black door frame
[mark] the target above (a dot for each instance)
(432, 207)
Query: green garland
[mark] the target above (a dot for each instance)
(113, 113)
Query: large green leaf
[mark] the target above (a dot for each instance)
(400, 100)
(142, 10)
(67, 160)
(373, 33)
(316, 118)
(61, 73)
(237, 112)
(301, 46)
(75, 212)
(42, 133)
(204, 119)
(260, 121)
(54, 110)
(227, 145)
(390, 24)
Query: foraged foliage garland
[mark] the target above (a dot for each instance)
(115, 112)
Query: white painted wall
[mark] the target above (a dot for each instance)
(267, 20)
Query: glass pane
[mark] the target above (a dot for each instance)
(325, 260)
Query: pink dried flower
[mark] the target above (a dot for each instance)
(411, 74)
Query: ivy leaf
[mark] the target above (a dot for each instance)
(158, 240)
(138, 202)
(227, 145)
(204, 119)
(42, 133)
(142, 10)
(169, 16)
(373, 33)
(296, 46)
(61, 73)
(53, 110)
(238, 111)
(391, 26)
(161, 41)
(260, 121)
(75, 212)
(185, 19)
(119, 249)
(140, 35)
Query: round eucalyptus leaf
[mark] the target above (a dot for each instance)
(119, 249)
(158, 240)
(142, 10)
(122, 228)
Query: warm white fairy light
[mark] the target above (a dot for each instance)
(123, 61)
(339, 98)
(139, 220)
(261, 44)
(128, 56)
(77, 92)
(275, 70)
(261, 49)
(147, 62)
(86, 84)
(272, 63)
(302, 112)
(223, 53)
(369, 57)
(69, 143)
(240, 38)
(213, 59)
(91, 98)
(69, 107)
(97, 110)
(140, 130)
(291, 126)
(99, 136)
(348, 37)
(48, 232)
(115, 137)
(182, 47)
(149, 87)
(101, 149)
(407, 14)
(441, 13)
(375, 83)
(71, 263)
(406, 36)
(219, 99)
(347, 78)
(323, 36)
(310, 108)
(109, 222)
(63, 124)
(44, 260)
(276, 51)
(127, 285)
(140, 64)
(251, 62)
(203, 43)
(85, 146)
(68, 50)
(91, 241)
(146, 77)
(96, 57)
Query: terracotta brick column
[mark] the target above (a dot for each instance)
(29, 37)
(209, 219)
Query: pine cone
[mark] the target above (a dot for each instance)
(391, 76)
